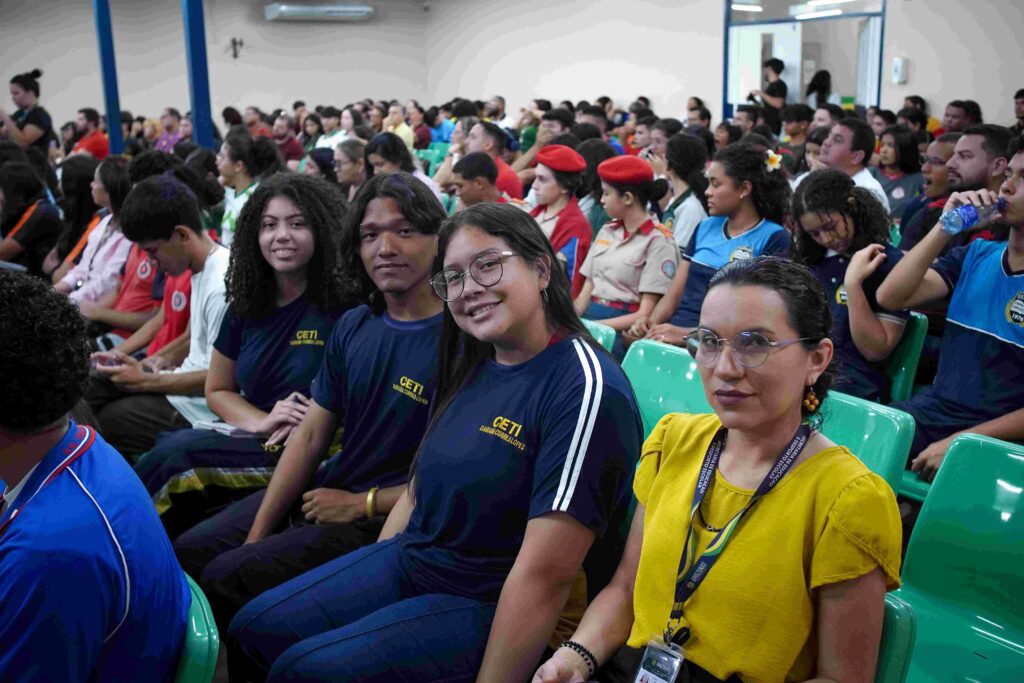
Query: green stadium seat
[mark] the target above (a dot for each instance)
(199, 653)
(902, 364)
(604, 335)
(666, 380)
(899, 629)
(913, 487)
(441, 147)
(879, 435)
(963, 569)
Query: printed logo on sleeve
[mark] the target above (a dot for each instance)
(1015, 310)
(410, 388)
(505, 429)
(178, 301)
(145, 269)
(307, 338)
(668, 269)
(841, 295)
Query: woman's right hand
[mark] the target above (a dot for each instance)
(565, 666)
(638, 330)
(289, 411)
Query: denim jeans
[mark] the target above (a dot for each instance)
(358, 618)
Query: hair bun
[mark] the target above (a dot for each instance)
(35, 73)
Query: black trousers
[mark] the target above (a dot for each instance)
(231, 574)
(130, 422)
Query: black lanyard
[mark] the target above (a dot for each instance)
(687, 581)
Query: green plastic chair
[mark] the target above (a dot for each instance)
(879, 435)
(666, 380)
(604, 335)
(899, 629)
(441, 147)
(913, 487)
(902, 365)
(198, 659)
(964, 569)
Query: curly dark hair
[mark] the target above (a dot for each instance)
(745, 161)
(251, 288)
(807, 306)
(44, 360)
(416, 203)
(827, 191)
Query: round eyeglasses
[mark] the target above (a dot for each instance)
(749, 349)
(485, 269)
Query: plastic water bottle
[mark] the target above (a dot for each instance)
(967, 216)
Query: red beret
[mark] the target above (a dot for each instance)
(561, 158)
(625, 170)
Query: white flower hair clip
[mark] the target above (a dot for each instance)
(773, 162)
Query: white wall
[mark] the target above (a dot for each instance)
(957, 50)
(280, 62)
(668, 50)
(665, 49)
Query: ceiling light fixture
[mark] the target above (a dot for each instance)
(746, 8)
(819, 3)
(818, 15)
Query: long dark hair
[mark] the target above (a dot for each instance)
(687, 156)
(251, 287)
(391, 148)
(807, 307)
(77, 172)
(415, 202)
(827, 191)
(908, 158)
(114, 175)
(744, 161)
(22, 187)
(820, 85)
(461, 354)
(593, 151)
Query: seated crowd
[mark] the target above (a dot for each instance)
(343, 355)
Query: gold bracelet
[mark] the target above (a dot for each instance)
(371, 499)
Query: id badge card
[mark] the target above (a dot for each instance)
(660, 664)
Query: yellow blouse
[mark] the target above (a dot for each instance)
(829, 520)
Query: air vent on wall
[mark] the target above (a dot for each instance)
(283, 11)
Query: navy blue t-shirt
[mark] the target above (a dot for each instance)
(857, 375)
(711, 248)
(378, 376)
(276, 355)
(981, 361)
(560, 432)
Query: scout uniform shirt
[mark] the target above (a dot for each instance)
(624, 265)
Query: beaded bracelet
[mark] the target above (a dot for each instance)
(588, 657)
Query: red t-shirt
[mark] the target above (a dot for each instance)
(508, 180)
(136, 294)
(95, 143)
(177, 293)
(291, 149)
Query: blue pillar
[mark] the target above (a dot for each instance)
(198, 72)
(105, 35)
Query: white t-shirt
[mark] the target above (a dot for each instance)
(332, 140)
(233, 203)
(685, 219)
(11, 494)
(862, 178)
(208, 305)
